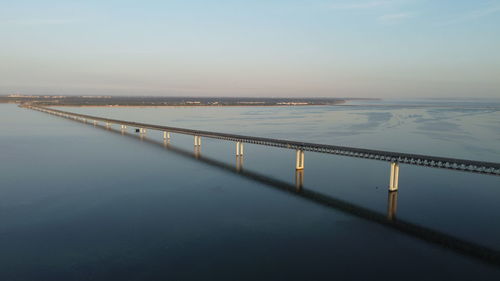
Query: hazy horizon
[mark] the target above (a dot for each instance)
(259, 96)
(344, 49)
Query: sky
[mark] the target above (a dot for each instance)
(270, 48)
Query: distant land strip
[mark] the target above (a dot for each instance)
(117, 101)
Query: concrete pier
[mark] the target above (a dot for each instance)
(239, 148)
(197, 141)
(166, 135)
(394, 177)
(299, 164)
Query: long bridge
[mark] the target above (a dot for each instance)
(394, 158)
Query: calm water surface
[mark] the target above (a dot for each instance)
(85, 203)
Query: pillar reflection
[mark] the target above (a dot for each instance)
(239, 163)
(392, 205)
(299, 180)
(166, 143)
(197, 151)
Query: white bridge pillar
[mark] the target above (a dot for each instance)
(166, 135)
(394, 178)
(239, 148)
(299, 164)
(197, 141)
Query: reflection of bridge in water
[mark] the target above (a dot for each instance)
(389, 220)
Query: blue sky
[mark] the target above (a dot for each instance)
(366, 48)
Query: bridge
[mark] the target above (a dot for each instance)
(456, 244)
(394, 158)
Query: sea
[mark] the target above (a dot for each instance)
(84, 202)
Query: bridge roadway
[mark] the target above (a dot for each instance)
(394, 158)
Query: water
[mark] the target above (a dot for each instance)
(84, 203)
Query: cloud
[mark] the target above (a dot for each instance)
(41, 21)
(355, 6)
(473, 15)
(395, 17)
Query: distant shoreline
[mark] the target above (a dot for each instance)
(137, 101)
(195, 105)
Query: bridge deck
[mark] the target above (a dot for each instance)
(481, 167)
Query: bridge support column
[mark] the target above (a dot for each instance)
(95, 123)
(392, 205)
(394, 178)
(239, 148)
(107, 125)
(299, 163)
(166, 135)
(142, 131)
(197, 141)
